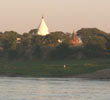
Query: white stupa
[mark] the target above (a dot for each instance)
(42, 29)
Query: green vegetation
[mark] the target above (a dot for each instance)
(44, 56)
(31, 68)
(56, 45)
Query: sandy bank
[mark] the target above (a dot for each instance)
(100, 74)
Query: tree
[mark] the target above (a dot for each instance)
(87, 34)
(33, 31)
(9, 40)
(54, 38)
(95, 41)
(67, 38)
(93, 50)
(108, 41)
(61, 52)
(37, 51)
(93, 36)
(8, 43)
(38, 40)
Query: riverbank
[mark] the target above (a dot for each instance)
(95, 68)
(99, 74)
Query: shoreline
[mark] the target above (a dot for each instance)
(100, 74)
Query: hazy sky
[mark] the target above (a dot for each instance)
(60, 15)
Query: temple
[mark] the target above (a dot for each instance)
(42, 29)
(75, 40)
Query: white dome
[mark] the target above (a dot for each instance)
(42, 29)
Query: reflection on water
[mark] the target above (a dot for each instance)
(53, 89)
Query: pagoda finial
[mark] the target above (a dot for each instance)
(74, 31)
(42, 17)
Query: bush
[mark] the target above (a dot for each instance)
(93, 50)
(61, 52)
(12, 54)
(37, 51)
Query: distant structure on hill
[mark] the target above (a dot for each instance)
(42, 29)
(75, 39)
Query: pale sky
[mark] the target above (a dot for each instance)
(60, 15)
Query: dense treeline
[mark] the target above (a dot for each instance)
(56, 45)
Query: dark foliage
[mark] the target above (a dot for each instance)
(61, 52)
(55, 45)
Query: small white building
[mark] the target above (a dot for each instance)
(18, 40)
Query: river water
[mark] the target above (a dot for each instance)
(53, 89)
